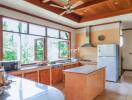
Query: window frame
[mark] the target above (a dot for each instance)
(45, 37)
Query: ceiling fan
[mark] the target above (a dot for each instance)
(68, 7)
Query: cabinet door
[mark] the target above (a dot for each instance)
(57, 75)
(44, 76)
(31, 75)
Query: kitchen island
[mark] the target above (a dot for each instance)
(84, 83)
(23, 89)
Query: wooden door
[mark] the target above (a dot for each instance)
(44, 76)
(127, 50)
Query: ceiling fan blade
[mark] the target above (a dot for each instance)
(77, 4)
(63, 13)
(45, 1)
(56, 6)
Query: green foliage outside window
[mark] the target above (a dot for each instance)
(63, 49)
(10, 52)
(39, 48)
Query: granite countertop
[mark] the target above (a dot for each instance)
(23, 89)
(84, 69)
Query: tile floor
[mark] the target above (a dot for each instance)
(114, 91)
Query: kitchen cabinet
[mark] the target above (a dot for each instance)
(72, 65)
(16, 74)
(31, 75)
(57, 74)
(84, 83)
(44, 76)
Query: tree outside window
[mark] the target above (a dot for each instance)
(63, 49)
(39, 49)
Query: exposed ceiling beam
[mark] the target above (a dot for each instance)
(106, 15)
(46, 6)
(90, 3)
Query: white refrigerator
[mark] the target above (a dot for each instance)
(108, 56)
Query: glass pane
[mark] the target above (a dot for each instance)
(11, 46)
(28, 48)
(23, 27)
(63, 48)
(36, 30)
(11, 25)
(53, 32)
(52, 49)
(64, 35)
(39, 49)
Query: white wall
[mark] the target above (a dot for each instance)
(28, 18)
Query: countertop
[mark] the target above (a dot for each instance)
(48, 66)
(84, 69)
(23, 89)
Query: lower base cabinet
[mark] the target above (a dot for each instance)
(44, 76)
(57, 75)
(31, 75)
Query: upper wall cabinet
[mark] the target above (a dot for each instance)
(105, 34)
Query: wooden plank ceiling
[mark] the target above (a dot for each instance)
(89, 9)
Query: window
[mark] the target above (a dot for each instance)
(39, 49)
(26, 42)
(28, 50)
(36, 30)
(57, 49)
(53, 32)
(11, 46)
(64, 35)
(63, 49)
(52, 49)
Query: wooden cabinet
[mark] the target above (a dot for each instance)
(16, 74)
(31, 75)
(72, 65)
(57, 74)
(44, 76)
(67, 66)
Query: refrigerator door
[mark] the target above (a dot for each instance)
(107, 50)
(111, 65)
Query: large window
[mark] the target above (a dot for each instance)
(28, 42)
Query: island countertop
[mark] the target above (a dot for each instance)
(23, 89)
(84, 69)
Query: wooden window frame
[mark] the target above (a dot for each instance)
(45, 37)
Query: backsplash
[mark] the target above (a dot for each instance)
(89, 53)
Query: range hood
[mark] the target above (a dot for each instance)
(87, 39)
